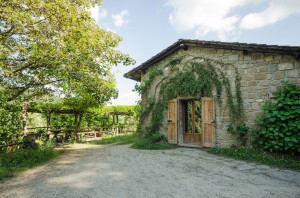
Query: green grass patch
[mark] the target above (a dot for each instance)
(152, 143)
(257, 156)
(120, 139)
(24, 159)
(148, 144)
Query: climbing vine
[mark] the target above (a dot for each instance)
(197, 77)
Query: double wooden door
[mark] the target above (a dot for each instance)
(191, 121)
(198, 121)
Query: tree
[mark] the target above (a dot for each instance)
(55, 46)
(49, 47)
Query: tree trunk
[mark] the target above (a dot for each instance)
(48, 115)
(24, 118)
(48, 121)
(75, 124)
(79, 121)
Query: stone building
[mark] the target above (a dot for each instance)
(199, 119)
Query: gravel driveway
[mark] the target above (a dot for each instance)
(119, 171)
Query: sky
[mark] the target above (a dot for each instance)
(147, 27)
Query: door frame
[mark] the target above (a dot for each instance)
(190, 137)
(180, 130)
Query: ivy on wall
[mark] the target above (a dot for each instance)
(191, 77)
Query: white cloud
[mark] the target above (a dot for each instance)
(205, 16)
(276, 11)
(217, 16)
(119, 19)
(98, 13)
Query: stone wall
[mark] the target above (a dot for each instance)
(261, 75)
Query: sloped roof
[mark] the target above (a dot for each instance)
(135, 74)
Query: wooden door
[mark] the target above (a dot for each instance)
(172, 122)
(191, 121)
(208, 122)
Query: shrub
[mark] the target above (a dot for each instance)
(241, 131)
(154, 141)
(279, 126)
(23, 159)
(10, 122)
(27, 157)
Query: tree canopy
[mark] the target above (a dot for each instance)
(55, 46)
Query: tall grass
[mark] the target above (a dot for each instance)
(23, 159)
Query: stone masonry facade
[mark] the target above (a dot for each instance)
(261, 73)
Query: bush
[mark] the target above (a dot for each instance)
(241, 131)
(10, 122)
(152, 141)
(23, 159)
(27, 157)
(279, 126)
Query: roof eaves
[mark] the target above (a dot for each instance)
(245, 47)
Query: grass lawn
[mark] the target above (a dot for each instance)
(135, 140)
(120, 139)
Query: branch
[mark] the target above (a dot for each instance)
(28, 86)
(28, 66)
(7, 32)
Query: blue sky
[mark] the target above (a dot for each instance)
(148, 27)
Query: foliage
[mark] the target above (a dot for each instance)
(59, 121)
(241, 131)
(56, 47)
(29, 143)
(257, 156)
(25, 158)
(10, 122)
(279, 126)
(196, 78)
(119, 109)
(152, 142)
(91, 117)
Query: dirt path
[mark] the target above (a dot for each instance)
(119, 171)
